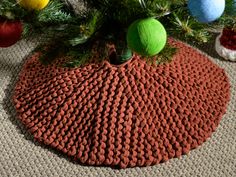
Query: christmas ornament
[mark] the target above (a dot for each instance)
(146, 37)
(226, 44)
(10, 32)
(206, 11)
(228, 38)
(33, 4)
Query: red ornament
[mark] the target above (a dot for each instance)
(228, 39)
(10, 32)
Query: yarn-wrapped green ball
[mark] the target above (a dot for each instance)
(146, 37)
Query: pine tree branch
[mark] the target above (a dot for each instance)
(53, 14)
(107, 21)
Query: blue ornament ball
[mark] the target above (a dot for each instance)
(206, 11)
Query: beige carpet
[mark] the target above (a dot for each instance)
(21, 156)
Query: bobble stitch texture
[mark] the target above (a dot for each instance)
(131, 115)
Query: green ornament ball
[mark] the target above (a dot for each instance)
(146, 37)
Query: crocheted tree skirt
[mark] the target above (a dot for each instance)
(134, 114)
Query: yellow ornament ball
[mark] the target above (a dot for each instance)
(33, 4)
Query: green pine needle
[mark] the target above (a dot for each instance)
(166, 55)
(78, 59)
(11, 10)
(53, 14)
(186, 27)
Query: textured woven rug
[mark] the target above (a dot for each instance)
(20, 156)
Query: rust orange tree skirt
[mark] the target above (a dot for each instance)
(129, 115)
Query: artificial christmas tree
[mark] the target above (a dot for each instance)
(85, 93)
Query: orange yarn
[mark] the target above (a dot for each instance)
(130, 115)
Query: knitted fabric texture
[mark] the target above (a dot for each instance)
(134, 114)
